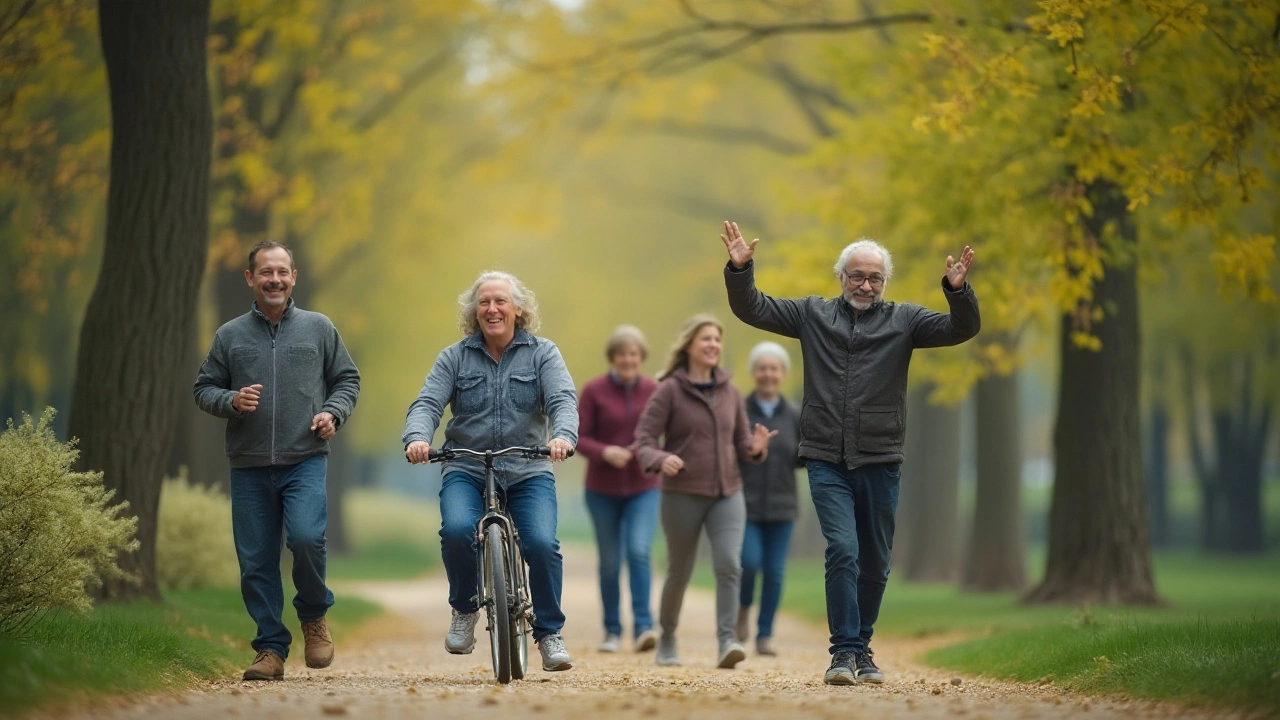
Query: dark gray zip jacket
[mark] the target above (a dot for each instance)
(770, 488)
(855, 367)
(303, 368)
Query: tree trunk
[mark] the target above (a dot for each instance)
(134, 343)
(997, 546)
(1156, 465)
(930, 492)
(1099, 550)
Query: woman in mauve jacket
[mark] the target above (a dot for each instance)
(694, 430)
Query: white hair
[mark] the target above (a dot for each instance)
(520, 295)
(864, 244)
(768, 349)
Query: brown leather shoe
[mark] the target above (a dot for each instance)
(319, 652)
(266, 666)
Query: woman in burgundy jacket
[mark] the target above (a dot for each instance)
(694, 430)
(621, 499)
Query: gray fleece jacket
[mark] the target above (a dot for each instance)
(304, 369)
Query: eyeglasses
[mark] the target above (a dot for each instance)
(856, 279)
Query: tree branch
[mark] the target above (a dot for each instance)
(424, 72)
(726, 134)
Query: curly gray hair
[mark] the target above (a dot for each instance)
(520, 295)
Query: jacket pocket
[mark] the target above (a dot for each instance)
(469, 396)
(523, 392)
(880, 429)
(304, 355)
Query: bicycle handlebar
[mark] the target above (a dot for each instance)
(528, 453)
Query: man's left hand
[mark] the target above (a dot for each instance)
(324, 426)
(958, 270)
(560, 449)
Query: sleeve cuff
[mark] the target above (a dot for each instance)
(739, 270)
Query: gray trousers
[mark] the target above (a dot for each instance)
(683, 518)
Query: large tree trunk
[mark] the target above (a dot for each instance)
(930, 492)
(997, 558)
(1099, 550)
(134, 344)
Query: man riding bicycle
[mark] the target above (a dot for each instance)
(505, 386)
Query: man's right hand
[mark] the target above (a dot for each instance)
(417, 452)
(739, 251)
(246, 400)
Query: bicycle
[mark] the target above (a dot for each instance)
(503, 587)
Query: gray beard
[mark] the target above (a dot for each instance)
(859, 304)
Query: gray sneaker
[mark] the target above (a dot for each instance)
(610, 644)
(554, 655)
(647, 640)
(764, 646)
(867, 670)
(841, 671)
(667, 655)
(461, 639)
(731, 653)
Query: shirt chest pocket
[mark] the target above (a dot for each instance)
(469, 397)
(304, 355)
(244, 368)
(523, 391)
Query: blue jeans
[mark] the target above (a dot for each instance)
(532, 503)
(855, 509)
(265, 500)
(764, 547)
(624, 523)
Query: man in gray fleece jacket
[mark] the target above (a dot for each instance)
(283, 380)
(853, 421)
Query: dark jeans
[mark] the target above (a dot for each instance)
(265, 500)
(855, 509)
(624, 524)
(532, 503)
(764, 547)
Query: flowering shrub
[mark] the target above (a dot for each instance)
(194, 548)
(60, 534)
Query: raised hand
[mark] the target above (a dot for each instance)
(760, 439)
(246, 400)
(958, 270)
(417, 452)
(739, 251)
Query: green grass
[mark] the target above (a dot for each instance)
(1217, 640)
(1229, 663)
(141, 647)
(393, 560)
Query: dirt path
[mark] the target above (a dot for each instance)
(399, 669)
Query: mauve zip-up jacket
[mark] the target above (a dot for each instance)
(608, 412)
(709, 432)
(855, 366)
(304, 369)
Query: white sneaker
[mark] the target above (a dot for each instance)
(461, 639)
(731, 653)
(554, 655)
(667, 655)
(610, 644)
(647, 640)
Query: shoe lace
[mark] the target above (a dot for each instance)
(553, 644)
(262, 654)
(844, 657)
(864, 659)
(313, 630)
(461, 622)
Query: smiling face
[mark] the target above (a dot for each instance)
(626, 362)
(768, 373)
(496, 312)
(272, 278)
(863, 279)
(704, 349)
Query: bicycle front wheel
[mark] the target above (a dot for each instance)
(519, 617)
(498, 606)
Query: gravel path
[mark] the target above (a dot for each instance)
(398, 669)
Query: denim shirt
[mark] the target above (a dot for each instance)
(497, 404)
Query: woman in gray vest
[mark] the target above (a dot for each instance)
(770, 492)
